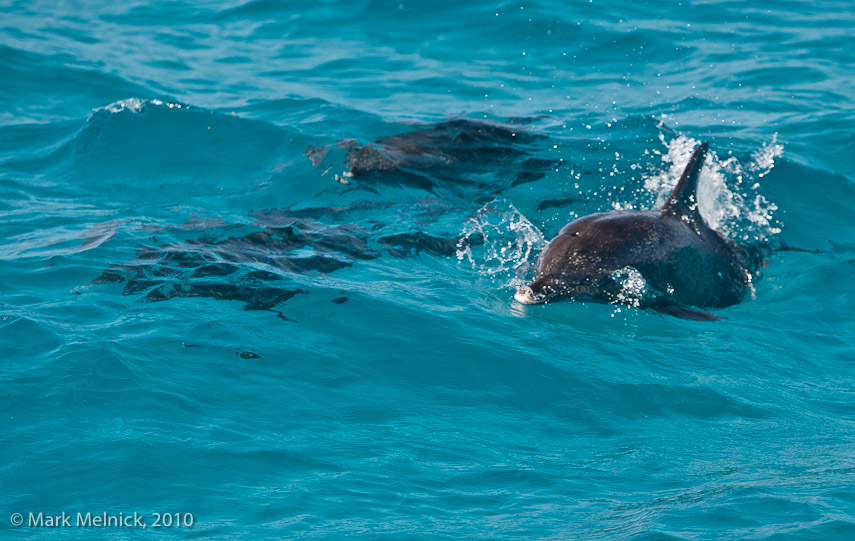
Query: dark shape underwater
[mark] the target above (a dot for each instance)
(257, 268)
(457, 154)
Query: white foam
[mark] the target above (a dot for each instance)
(134, 105)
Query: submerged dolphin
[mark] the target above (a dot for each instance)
(679, 256)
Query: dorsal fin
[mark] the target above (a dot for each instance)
(684, 199)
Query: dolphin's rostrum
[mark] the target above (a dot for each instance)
(682, 260)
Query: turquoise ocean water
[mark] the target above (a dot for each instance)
(210, 306)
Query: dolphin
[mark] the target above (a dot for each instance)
(683, 262)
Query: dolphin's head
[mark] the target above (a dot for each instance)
(547, 288)
(578, 262)
(541, 290)
(567, 267)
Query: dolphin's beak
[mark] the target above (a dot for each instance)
(525, 295)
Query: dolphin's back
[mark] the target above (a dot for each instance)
(697, 267)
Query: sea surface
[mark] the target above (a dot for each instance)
(257, 266)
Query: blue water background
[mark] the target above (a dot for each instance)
(428, 404)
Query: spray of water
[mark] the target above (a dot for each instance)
(632, 286)
(728, 195)
(510, 243)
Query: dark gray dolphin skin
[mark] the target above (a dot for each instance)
(680, 257)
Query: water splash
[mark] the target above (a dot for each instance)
(509, 240)
(728, 193)
(632, 286)
(763, 160)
